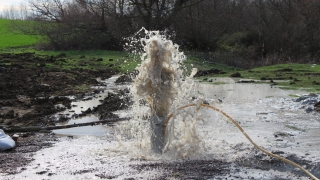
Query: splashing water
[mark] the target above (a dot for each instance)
(162, 86)
(159, 78)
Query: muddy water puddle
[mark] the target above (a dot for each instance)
(232, 92)
(271, 118)
(81, 111)
(97, 130)
(268, 115)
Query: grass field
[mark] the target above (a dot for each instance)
(15, 42)
(291, 76)
(87, 59)
(11, 38)
(94, 59)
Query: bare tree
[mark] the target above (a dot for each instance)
(72, 25)
(158, 14)
(201, 26)
(253, 29)
(113, 15)
(50, 10)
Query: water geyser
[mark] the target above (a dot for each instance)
(158, 81)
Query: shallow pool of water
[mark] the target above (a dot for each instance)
(82, 105)
(268, 115)
(232, 92)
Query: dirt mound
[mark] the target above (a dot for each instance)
(113, 102)
(128, 77)
(209, 72)
(310, 102)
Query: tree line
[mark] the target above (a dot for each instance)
(272, 31)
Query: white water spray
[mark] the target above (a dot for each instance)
(161, 84)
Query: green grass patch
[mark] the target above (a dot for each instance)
(96, 60)
(295, 128)
(200, 64)
(269, 96)
(304, 77)
(87, 59)
(219, 83)
(289, 76)
(81, 88)
(14, 38)
(294, 95)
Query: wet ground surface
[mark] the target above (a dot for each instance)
(282, 124)
(28, 94)
(16, 160)
(31, 95)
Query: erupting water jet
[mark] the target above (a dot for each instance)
(158, 81)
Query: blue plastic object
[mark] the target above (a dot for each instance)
(6, 142)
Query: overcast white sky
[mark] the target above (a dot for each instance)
(8, 3)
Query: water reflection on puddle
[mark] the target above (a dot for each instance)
(88, 102)
(96, 130)
(263, 111)
(231, 91)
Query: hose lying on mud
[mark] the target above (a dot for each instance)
(48, 128)
(245, 134)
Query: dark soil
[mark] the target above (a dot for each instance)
(209, 72)
(112, 103)
(192, 169)
(236, 74)
(128, 77)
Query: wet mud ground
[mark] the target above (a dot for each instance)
(30, 95)
(16, 160)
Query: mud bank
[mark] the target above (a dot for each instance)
(27, 98)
